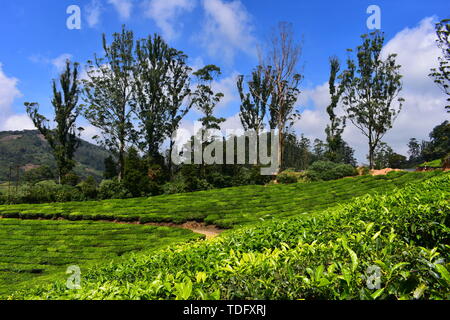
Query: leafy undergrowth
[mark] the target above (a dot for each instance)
(224, 207)
(33, 252)
(402, 235)
(432, 164)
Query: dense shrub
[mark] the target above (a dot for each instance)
(70, 179)
(327, 170)
(175, 187)
(88, 188)
(290, 176)
(112, 189)
(43, 192)
(39, 174)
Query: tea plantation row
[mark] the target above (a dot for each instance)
(375, 247)
(32, 252)
(224, 207)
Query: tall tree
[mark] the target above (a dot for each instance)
(63, 139)
(282, 58)
(337, 125)
(370, 87)
(108, 92)
(178, 91)
(205, 99)
(254, 103)
(151, 77)
(413, 149)
(441, 75)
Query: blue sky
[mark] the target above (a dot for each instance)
(35, 41)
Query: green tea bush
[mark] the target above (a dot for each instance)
(403, 234)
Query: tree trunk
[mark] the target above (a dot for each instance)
(121, 160)
(169, 164)
(371, 156)
(280, 150)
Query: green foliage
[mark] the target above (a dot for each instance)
(36, 252)
(328, 256)
(26, 148)
(289, 176)
(327, 170)
(370, 86)
(385, 157)
(43, 192)
(112, 189)
(439, 145)
(223, 207)
(432, 164)
(205, 99)
(140, 178)
(441, 75)
(63, 138)
(88, 188)
(107, 94)
(70, 179)
(39, 174)
(254, 103)
(110, 168)
(335, 143)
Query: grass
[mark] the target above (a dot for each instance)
(34, 252)
(403, 233)
(224, 207)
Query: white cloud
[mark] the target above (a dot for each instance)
(123, 7)
(8, 93)
(89, 132)
(227, 29)
(424, 106)
(228, 87)
(60, 62)
(18, 122)
(93, 11)
(165, 14)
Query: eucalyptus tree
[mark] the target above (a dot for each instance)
(371, 84)
(441, 75)
(282, 59)
(336, 127)
(151, 75)
(205, 99)
(161, 91)
(254, 103)
(178, 95)
(63, 139)
(108, 93)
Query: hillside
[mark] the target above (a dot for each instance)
(402, 233)
(29, 254)
(28, 149)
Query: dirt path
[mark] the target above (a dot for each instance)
(210, 231)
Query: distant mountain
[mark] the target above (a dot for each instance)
(28, 149)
